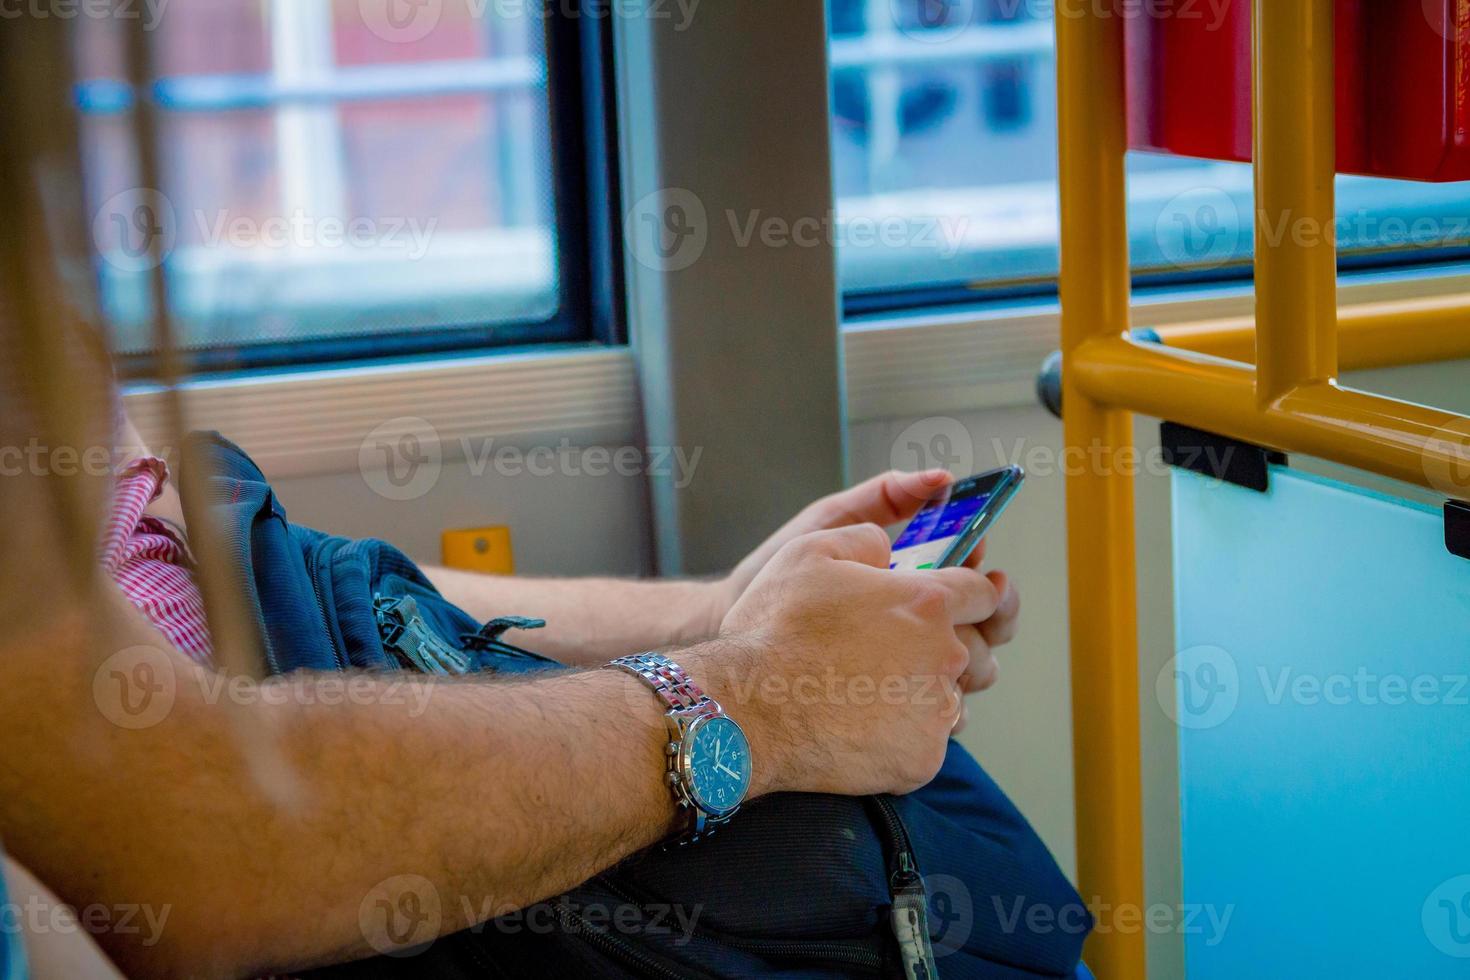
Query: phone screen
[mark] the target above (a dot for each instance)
(945, 520)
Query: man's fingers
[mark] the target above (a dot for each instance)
(885, 499)
(973, 598)
(866, 544)
(983, 670)
(1000, 628)
(974, 641)
(986, 673)
(956, 712)
(969, 596)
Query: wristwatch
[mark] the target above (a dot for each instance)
(707, 756)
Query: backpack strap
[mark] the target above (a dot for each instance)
(487, 637)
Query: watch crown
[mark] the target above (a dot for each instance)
(672, 777)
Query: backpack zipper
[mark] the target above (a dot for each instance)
(313, 565)
(910, 913)
(823, 951)
(630, 954)
(575, 924)
(908, 918)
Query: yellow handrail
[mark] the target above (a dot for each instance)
(1369, 336)
(1102, 600)
(1291, 401)
(1296, 164)
(1409, 442)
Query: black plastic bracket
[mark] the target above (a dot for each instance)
(1219, 457)
(1457, 528)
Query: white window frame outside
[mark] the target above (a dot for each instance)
(512, 267)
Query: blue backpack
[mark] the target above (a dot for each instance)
(948, 881)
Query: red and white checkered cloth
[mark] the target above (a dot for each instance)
(150, 562)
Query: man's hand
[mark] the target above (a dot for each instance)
(981, 639)
(886, 499)
(855, 675)
(591, 621)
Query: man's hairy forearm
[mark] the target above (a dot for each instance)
(265, 820)
(590, 620)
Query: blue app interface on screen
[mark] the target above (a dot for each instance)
(932, 533)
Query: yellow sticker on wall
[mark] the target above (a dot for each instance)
(478, 549)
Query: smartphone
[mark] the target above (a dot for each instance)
(950, 525)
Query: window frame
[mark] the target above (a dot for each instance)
(943, 299)
(584, 161)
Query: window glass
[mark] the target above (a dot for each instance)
(330, 170)
(944, 142)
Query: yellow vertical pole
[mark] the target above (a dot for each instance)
(1102, 587)
(1296, 160)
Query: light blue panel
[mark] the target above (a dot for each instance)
(1322, 694)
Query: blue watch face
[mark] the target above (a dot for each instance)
(719, 765)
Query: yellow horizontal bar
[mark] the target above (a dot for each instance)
(1370, 335)
(1413, 443)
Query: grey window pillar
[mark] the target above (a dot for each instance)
(731, 268)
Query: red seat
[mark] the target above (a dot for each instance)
(1403, 84)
